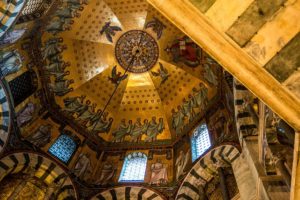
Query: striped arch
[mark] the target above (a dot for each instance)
(9, 14)
(127, 193)
(44, 169)
(205, 169)
(244, 122)
(4, 118)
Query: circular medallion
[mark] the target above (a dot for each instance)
(136, 51)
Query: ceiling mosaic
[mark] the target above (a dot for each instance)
(124, 73)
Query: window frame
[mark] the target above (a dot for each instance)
(73, 153)
(125, 165)
(193, 139)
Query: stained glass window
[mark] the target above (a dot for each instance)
(63, 148)
(200, 141)
(134, 168)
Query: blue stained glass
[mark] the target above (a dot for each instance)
(134, 168)
(200, 141)
(63, 148)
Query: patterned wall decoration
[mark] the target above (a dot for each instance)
(128, 193)
(4, 118)
(205, 169)
(41, 167)
(23, 86)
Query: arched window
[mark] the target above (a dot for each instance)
(134, 168)
(200, 141)
(63, 148)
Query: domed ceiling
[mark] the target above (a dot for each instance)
(122, 72)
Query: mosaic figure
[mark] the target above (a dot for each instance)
(83, 108)
(178, 120)
(137, 131)
(61, 87)
(59, 25)
(154, 129)
(181, 163)
(102, 126)
(83, 166)
(53, 48)
(10, 62)
(57, 67)
(67, 13)
(26, 114)
(75, 4)
(55, 59)
(188, 111)
(41, 137)
(107, 173)
(11, 37)
(59, 76)
(209, 75)
(186, 51)
(157, 26)
(96, 117)
(122, 131)
(73, 104)
(162, 73)
(87, 115)
(200, 96)
(109, 31)
(158, 173)
(117, 77)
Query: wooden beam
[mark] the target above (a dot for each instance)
(234, 59)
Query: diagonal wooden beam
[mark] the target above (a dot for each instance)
(194, 24)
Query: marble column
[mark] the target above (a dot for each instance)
(225, 193)
(244, 178)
